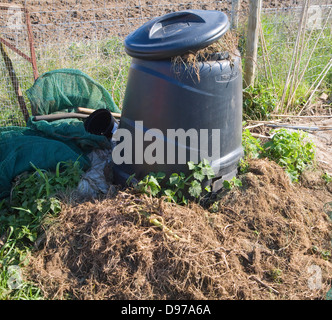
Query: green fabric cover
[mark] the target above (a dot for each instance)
(70, 131)
(44, 144)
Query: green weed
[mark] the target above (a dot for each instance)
(34, 201)
(178, 185)
(258, 102)
(276, 275)
(252, 149)
(251, 146)
(292, 150)
(327, 178)
(230, 184)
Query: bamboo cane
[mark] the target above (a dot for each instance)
(293, 58)
(89, 111)
(298, 55)
(322, 75)
(310, 56)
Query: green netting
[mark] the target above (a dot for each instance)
(70, 131)
(65, 90)
(46, 143)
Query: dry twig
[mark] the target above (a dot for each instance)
(264, 284)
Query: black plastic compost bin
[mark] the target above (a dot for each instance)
(170, 96)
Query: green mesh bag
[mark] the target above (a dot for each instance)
(65, 90)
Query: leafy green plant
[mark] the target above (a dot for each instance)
(37, 191)
(326, 254)
(252, 149)
(150, 183)
(276, 275)
(258, 102)
(178, 185)
(34, 197)
(230, 184)
(251, 146)
(326, 177)
(292, 150)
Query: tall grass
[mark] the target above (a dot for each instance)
(104, 60)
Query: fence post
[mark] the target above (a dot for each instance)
(235, 13)
(252, 42)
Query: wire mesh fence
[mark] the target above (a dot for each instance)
(85, 35)
(88, 35)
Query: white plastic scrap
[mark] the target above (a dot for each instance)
(95, 180)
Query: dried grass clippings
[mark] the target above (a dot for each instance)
(257, 244)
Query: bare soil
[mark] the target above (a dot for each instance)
(71, 20)
(323, 142)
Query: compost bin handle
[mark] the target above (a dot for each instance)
(173, 23)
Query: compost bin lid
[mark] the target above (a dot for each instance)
(176, 33)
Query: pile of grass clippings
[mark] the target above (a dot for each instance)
(256, 242)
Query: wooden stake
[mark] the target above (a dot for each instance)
(235, 13)
(298, 56)
(266, 53)
(89, 111)
(293, 116)
(263, 50)
(58, 116)
(252, 42)
(31, 44)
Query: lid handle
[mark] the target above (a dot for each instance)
(173, 23)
